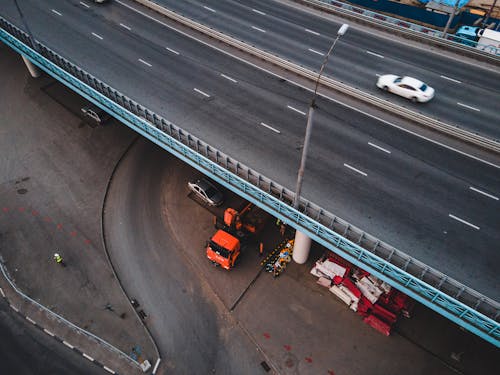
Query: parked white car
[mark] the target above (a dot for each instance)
(207, 192)
(407, 87)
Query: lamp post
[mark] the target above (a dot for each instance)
(302, 243)
(25, 24)
(310, 117)
(450, 18)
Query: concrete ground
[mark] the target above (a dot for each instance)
(54, 171)
(298, 326)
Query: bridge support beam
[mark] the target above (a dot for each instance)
(32, 68)
(301, 247)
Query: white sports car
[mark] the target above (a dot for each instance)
(407, 87)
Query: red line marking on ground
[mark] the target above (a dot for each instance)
(59, 226)
(73, 234)
(34, 213)
(21, 209)
(47, 219)
(5, 209)
(330, 372)
(287, 347)
(267, 335)
(308, 359)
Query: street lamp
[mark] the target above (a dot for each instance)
(25, 24)
(310, 117)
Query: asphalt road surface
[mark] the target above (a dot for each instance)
(25, 350)
(466, 95)
(193, 332)
(435, 204)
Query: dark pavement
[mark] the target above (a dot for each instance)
(25, 350)
(156, 236)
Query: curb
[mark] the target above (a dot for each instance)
(45, 330)
(104, 244)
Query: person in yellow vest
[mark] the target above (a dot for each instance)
(58, 259)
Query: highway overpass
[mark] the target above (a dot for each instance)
(423, 198)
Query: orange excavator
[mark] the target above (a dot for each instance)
(224, 247)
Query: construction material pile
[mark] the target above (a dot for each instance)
(278, 259)
(377, 302)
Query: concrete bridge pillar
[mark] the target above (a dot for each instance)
(32, 68)
(301, 247)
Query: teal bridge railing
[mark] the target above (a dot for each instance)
(448, 297)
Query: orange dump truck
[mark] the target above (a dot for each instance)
(224, 247)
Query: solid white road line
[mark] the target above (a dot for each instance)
(68, 344)
(380, 148)
(85, 5)
(296, 110)
(392, 124)
(172, 50)
(463, 221)
(97, 36)
(30, 320)
(201, 92)
(56, 12)
(451, 79)
(229, 78)
(145, 63)
(210, 9)
(355, 170)
(48, 332)
(312, 32)
(258, 11)
(374, 54)
(484, 193)
(125, 26)
(270, 128)
(109, 370)
(468, 106)
(316, 52)
(258, 29)
(88, 357)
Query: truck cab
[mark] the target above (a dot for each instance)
(223, 249)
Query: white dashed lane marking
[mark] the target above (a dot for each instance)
(451, 79)
(97, 36)
(125, 26)
(229, 78)
(378, 147)
(316, 52)
(463, 221)
(209, 9)
(172, 50)
(375, 54)
(270, 128)
(201, 92)
(145, 63)
(56, 12)
(355, 169)
(469, 107)
(258, 29)
(296, 110)
(312, 32)
(483, 193)
(85, 5)
(258, 12)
